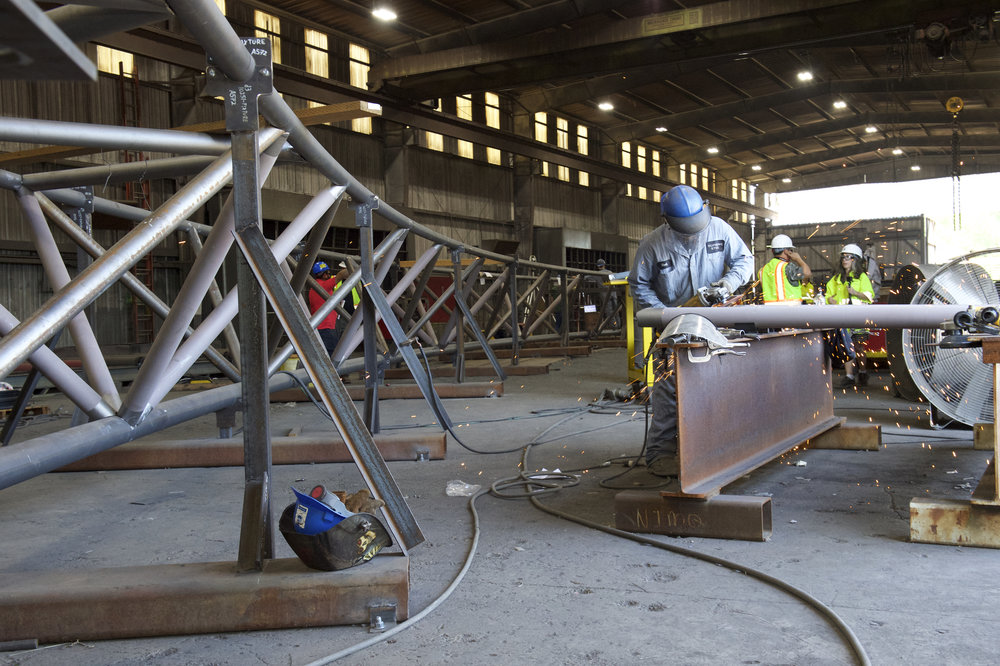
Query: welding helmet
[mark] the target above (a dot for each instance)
(780, 243)
(320, 267)
(684, 209)
(851, 248)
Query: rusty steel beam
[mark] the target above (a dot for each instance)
(55, 606)
(726, 430)
(722, 517)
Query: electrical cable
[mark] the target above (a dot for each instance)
(819, 606)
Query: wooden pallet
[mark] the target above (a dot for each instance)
(28, 411)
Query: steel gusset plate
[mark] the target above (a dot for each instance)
(736, 413)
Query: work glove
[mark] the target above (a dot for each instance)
(728, 283)
(712, 295)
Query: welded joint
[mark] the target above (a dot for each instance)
(363, 211)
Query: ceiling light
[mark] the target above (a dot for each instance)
(712, 150)
(756, 167)
(786, 180)
(840, 104)
(805, 76)
(915, 167)
(661, 128)
(605, 106)
(871, 129)
(897, 151)
(383, 13)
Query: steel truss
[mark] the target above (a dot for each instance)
(498, 300)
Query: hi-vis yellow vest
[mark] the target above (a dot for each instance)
(775, 285)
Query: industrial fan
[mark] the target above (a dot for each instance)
(955, 380)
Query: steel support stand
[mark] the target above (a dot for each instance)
(515, 342)
(257, 528)
(363, 218)
(973, 522)
(457, 316)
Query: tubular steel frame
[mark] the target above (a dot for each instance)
(516, 305)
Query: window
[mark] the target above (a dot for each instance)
(640, 165)
(114, 61)
(562, 141)
(463, 109)
(435, 141)
(317, 53)
(542, 134)
(493, 120)
(360, 62)
(269, 26)
(583, 147)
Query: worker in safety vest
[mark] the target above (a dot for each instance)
(781, 279)
(849, 286)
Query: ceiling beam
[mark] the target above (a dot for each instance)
(730, 29)
(882, 120)
(891, 171)
(951, 83)
(819, 156)
(517, 24)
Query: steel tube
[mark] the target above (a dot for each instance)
(79, 326)
(216, 320)
(97, 277)
(329, 387)
(197, 283)
(131, 282)
(114, 174)
(811, 316)
(60, 374)
(110, 137)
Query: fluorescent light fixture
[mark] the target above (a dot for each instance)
(871, 129)
(661, 128)
(805, 76)
(756, 167)
(915, 167)
(384, 13)
(712, 150)
(897, 151)
(605, 106)
(840, 104)
(786, 180)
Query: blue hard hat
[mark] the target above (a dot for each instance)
(319, 267)
(313, 515)
(684, 209)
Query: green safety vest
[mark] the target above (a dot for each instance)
(775, 283)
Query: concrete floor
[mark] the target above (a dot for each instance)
(546, 590)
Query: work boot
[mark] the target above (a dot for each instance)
(862, 379)
(846, 382)
(665, 465)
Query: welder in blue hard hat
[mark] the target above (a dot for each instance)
(692, 250)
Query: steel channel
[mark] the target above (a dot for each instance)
(330, 388)
(724, 516)
(726, 429)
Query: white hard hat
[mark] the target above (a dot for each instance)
(851, 248)
(782, 242)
